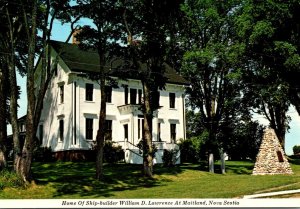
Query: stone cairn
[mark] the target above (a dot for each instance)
(271, 158)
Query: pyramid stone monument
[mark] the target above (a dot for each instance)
(271, 158)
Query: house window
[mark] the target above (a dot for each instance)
(108, 94)
(61, 130)
(126, 132)
(156, 96)
(140, 126)
(22, 127)
(173, 132)
(61, 93)
(126, 94)
(89, 128)
(41, 133)
(140, 94)
(89, 90)
(133, 96)
(158, 132)
(108, 129)
(172, 100)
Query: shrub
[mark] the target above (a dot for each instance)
(192, 149)
(43, 154)
(187, 151)
(141, 145)
(112, 153)
(10, 179)
(296, 150)
(169, 157)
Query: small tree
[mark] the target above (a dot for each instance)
(33, 45)
(210, 63)
(169, 157)
(296, 150)
(272, 57)
(148, 22)
(106, 17)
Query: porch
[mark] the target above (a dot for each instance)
(133, 154)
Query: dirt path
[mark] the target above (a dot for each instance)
(278, 189)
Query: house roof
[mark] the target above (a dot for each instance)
(79, 60)
(23, 118)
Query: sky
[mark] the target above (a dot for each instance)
(60, 33)
(292, 138)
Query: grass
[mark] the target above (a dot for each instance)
(76, 180)
(10, 179)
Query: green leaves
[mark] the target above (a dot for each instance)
(262, 30)
(289, 52)
(204, 56)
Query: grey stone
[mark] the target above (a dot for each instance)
(271, 158)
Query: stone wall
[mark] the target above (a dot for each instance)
(271, 158)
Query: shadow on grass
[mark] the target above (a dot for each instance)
(240, 169)
(77, 179)
(294, 159)
(175, 170)
(230, 167)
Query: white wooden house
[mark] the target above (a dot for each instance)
(69, 118)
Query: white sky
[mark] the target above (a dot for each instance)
(292, 138)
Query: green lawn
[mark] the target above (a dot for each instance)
(76, 180)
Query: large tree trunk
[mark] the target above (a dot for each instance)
(211, 148)
(13, 90)
(277, 118)
(14, 114)
(101, 132)
(147, 139)
(3, 117)
(24, 165)
(100, 135)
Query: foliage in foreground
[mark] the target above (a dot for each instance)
(10, 179)
(169, 157)
(191, 149)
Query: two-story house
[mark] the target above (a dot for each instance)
(69, 119)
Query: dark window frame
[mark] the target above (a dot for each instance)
(89, 92)
(61, 130)
(140, 96)
(133, 96)
(126, 94)
(61, 93)
(173, 132)
(89, 126)
(125, 126)
(140, 126)
(159, 132)
(108, 94)
(172, 99)
(157, 97)
(108, 129)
